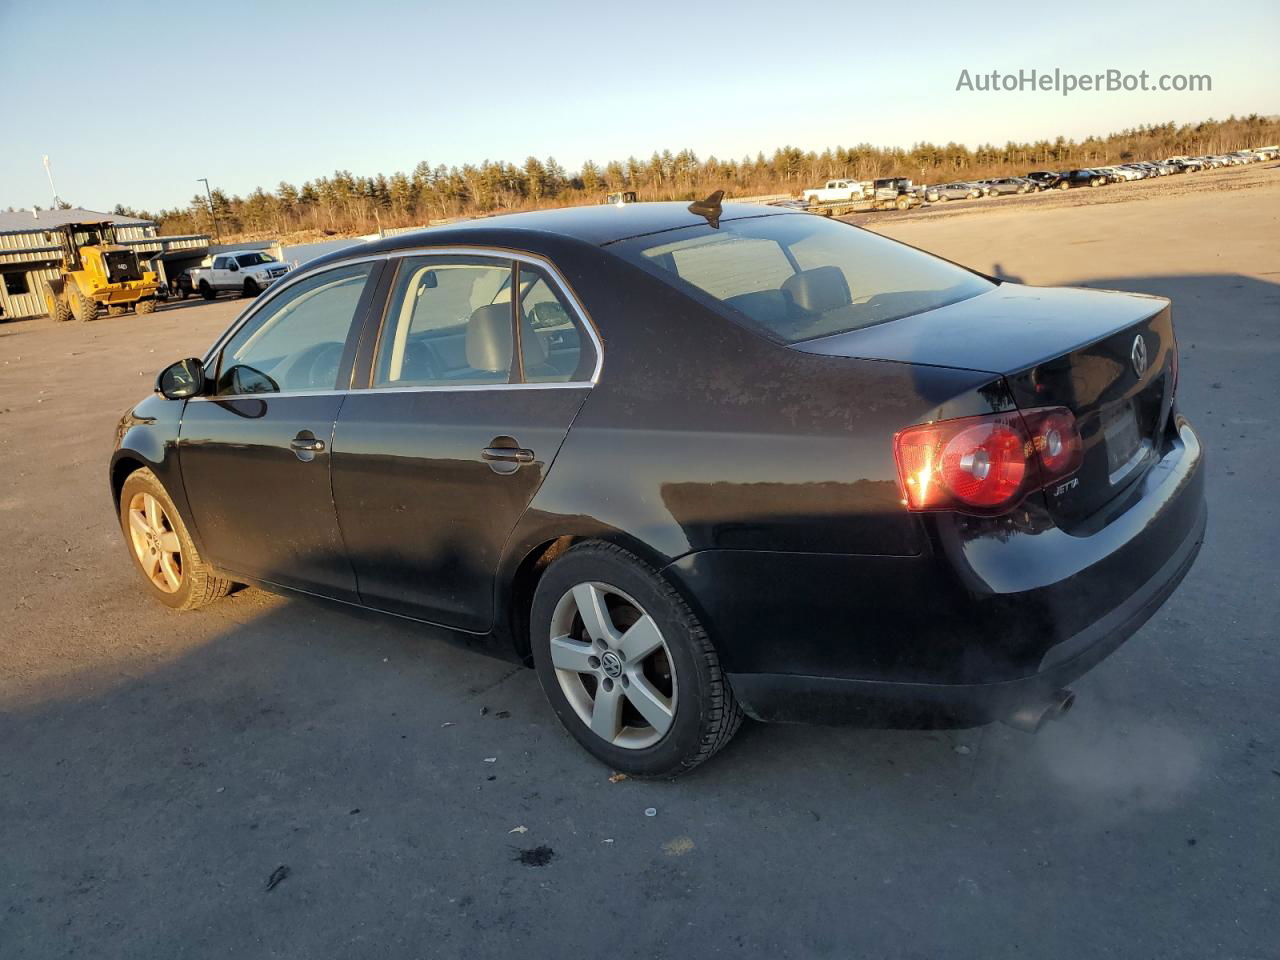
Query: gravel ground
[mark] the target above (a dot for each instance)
(282, 777)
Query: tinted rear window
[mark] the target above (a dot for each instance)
(800, 277)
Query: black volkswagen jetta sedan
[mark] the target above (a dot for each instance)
(689, 463)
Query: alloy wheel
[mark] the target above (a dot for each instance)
(613, 665)
(155, 542)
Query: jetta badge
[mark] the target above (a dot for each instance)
(1139, 356)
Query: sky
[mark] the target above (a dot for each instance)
(137, 105)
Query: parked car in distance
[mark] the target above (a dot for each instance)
(835, 190)
(1005, 185)
(959, 190)
(1087, 177)
(1047, 179)
(867, 478)
(247, 272)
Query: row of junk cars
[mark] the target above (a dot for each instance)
(1091, 176)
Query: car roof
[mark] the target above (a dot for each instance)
(237, 253)
(599, 224)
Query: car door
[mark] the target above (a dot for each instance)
(254, 452)
(218, 273)
(461, 417)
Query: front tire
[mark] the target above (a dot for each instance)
(161, 547)
(143, 307)
(83, 308)
(251, 288)
(626, 665)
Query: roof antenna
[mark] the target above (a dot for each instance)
(709, 208)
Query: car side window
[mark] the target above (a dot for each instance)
(219, 263)
(296, 342)
(553, 346)
(448, 323)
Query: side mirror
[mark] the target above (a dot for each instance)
(233, 267)
(181, 380)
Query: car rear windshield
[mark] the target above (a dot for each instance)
(798, 277)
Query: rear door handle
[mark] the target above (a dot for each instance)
(507, 454)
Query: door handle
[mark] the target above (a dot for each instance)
(306, 445)
(507, 454)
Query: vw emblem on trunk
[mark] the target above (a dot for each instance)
(1139, 356)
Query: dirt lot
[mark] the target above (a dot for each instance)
(159, 768)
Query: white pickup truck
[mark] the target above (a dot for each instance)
(247, 272)
(835, 190)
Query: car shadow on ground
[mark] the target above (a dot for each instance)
(380, 768)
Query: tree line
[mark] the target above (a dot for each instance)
(345, 203)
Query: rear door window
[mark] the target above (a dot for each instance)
(554, 346)
(449, 323)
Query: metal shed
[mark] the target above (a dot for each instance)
(30, 253)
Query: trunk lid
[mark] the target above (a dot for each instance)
(1108, 357)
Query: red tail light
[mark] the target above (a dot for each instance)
(987, 464)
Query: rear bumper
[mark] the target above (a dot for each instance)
(988, 619)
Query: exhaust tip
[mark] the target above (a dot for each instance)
(1030, 717)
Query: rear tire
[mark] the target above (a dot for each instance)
(160, 547)
(58, 309)
(207, 291)
(639, 667)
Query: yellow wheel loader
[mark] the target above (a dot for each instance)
(97, 272)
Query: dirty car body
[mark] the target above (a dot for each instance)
(746, 414)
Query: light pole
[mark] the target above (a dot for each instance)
(217, 234)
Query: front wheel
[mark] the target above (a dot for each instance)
(161, 547)
(83, 308)
(251, 288)
(143, 307)
(626, 665)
